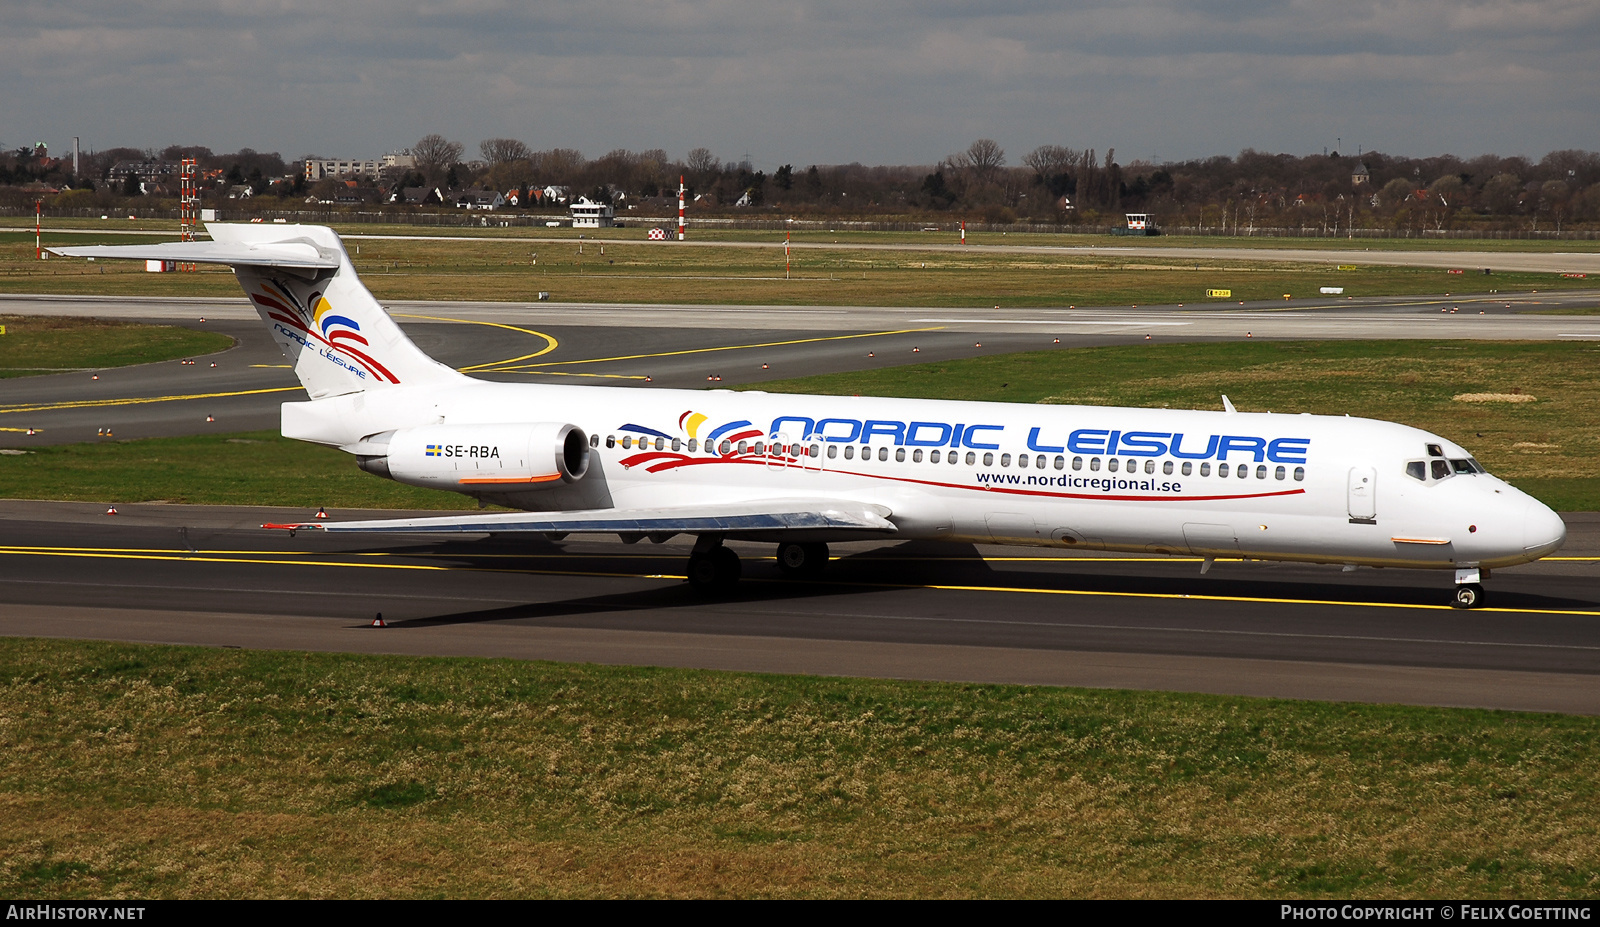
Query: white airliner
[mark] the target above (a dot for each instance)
(802, 471)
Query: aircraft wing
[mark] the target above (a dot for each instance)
(276, 254)
(732, 520)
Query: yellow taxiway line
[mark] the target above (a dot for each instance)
(258, 558)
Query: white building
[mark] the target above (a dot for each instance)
(590, 215)
(339, 169)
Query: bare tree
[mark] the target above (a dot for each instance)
(702, 163)
(435, 156)
(502, 150)
(1048, 161)
(984, 157)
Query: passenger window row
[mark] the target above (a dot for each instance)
(1131, 465)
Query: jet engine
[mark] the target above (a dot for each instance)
(486, 458)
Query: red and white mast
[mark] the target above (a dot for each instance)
(682, 226)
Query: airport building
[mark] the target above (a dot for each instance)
(590, 215)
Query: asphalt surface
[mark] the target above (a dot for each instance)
(211, 576)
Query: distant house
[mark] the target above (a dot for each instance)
(478, 199)
(587, 214)
(1360, 176)
(746, 200)
(417, 196)
(555, 193)
(241, 191)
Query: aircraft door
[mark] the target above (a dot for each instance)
(1363, 494)
(812, 453)
(780, 450)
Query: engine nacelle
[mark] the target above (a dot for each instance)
(487, 458)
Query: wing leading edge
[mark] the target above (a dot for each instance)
(739, 520)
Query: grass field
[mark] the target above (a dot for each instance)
(637, 271)
(251, 468)
(146, 771)
(45, 344)
(1547, 445)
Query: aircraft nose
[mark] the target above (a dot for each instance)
(1542, 529)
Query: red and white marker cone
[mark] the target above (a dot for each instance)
(378, 622)
(112, 510)
(321, 512)
(210, 419)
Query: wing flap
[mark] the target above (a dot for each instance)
(733, 520)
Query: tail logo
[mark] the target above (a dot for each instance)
(315, 324)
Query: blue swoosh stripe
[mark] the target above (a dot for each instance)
(712, 438)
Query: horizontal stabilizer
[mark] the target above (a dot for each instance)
(733, 520)
(289, 254)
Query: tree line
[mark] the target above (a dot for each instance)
(1320, 193)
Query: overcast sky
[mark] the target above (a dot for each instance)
(806, 81)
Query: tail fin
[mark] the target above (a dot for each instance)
(304, 286)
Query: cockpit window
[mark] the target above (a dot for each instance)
(1417, 469)
(1462, 466)
(1435, 450)
(1441, 469)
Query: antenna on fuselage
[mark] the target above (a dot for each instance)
(1227, 405)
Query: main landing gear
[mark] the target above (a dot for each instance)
(715, 569)
(1469, 591)
(802, 560)
(712, 567)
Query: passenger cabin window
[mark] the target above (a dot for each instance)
(933, 457)
(1187, 468)
(883, 453)
(899, 454)
(1222, 469)
(849, 452)
(972, 457)
(594, 440)
(833, 451)
(1300, 474)
(694, 444)
(916, 455)
(1077, 463)
(677, 444)
(611, 440)
(1205, 470)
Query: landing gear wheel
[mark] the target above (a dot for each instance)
(715, 570)
(1468, 595)
(802, 559)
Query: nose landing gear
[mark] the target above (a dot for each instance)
(1469, 590)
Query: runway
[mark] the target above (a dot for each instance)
(211, 576)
